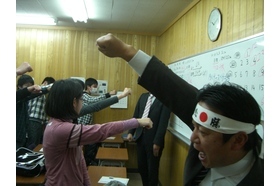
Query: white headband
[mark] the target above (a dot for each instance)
(219, 123)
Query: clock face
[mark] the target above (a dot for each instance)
(214, 24)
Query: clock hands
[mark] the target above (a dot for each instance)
(214, 22)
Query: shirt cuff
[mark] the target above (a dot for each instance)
(139, 62)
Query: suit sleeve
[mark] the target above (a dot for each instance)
(180, 97)
(162, 126)
(136, 114)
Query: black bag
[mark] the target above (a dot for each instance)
(29, 163)
(90, 152)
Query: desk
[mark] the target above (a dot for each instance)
(96, 172)
(116, 142)
(112, 156)
(39, 180)
(38, 148)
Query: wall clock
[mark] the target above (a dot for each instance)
(214, 24)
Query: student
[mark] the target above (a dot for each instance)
(26, 90)
(99, 105)
(37, 116)
(91, 85)
(223, 118)
(63, 140)
(22, 93)
(150, 143)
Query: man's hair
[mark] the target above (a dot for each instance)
(59, 103)
(50, 80)
(90, 82)
(235, 102)
(23, 79)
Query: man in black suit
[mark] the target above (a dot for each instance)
(223, 119)
(150, 143)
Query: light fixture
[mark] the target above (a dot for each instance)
(35, 20)
(77, 9)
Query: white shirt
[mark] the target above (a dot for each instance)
(229, 175)
(139, 62)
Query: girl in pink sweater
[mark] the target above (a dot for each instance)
(63, 139)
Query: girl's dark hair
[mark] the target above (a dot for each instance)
(235, 102)
(59, 103)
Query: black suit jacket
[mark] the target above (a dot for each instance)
(180, 98)
(159, 114)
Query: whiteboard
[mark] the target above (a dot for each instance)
(240, 62)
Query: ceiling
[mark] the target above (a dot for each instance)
(129, 16)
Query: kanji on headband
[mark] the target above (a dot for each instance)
(219, 123)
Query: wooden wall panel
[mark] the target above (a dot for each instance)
(62, 53)
(187, 37)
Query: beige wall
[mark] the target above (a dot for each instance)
(65, 52)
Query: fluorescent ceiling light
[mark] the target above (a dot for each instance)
(77, 10)
(35, 20)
